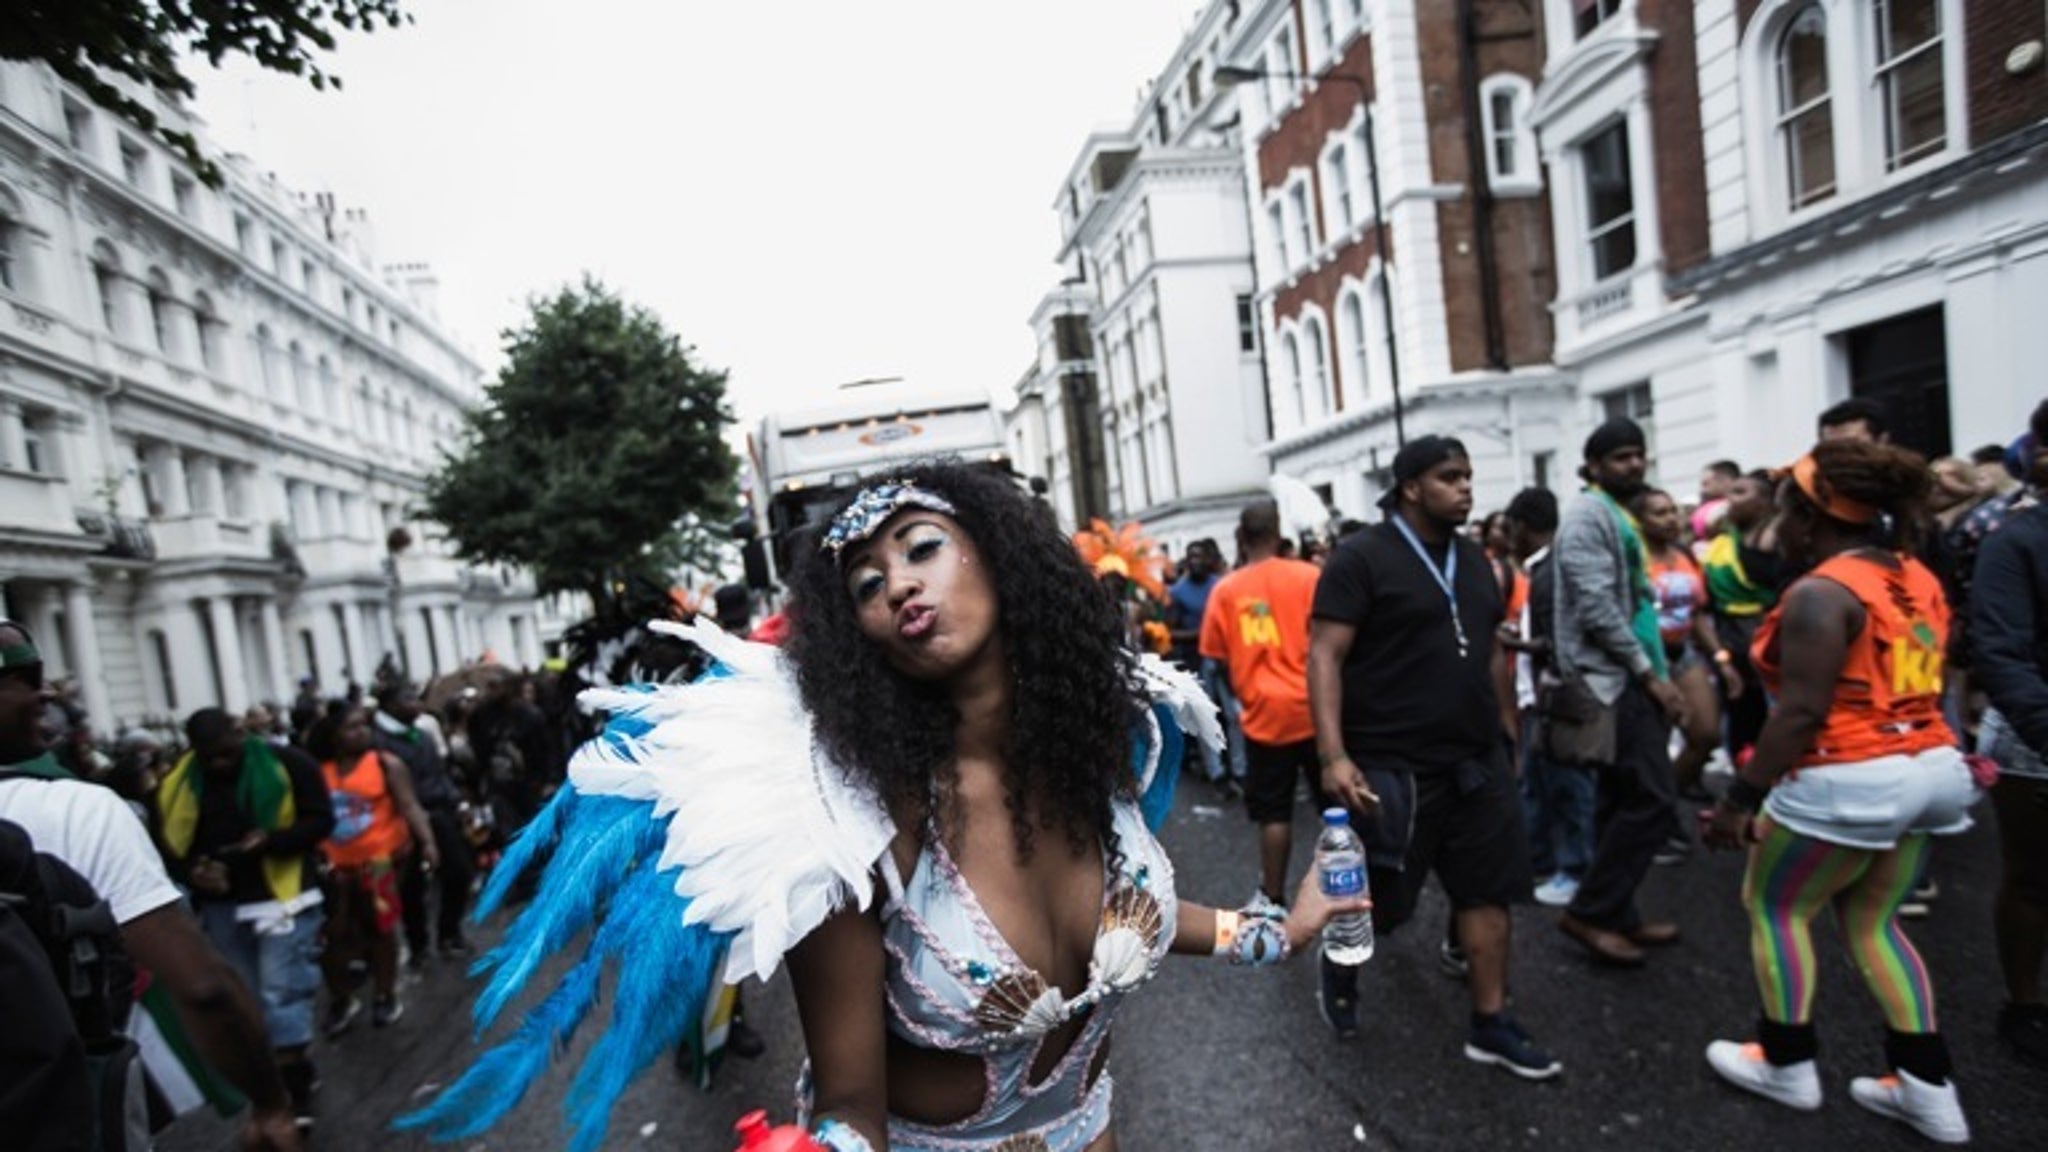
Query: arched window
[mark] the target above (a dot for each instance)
(1805, 113)
(206, 323)
(302, 381)
(1511, 169)
(106, 279)
(1320, 400)
(157, 290)
(13, 243)
(1351, 336)
(1290, 352)
(330, 394)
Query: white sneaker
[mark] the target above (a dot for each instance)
(1557, 891)
(1933, 1110)
(1743, 1065)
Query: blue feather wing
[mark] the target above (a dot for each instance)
(601, 879)
(1157, 799)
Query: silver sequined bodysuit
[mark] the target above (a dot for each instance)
(955, 985)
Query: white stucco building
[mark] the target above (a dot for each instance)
(1153, 226)
(215, 414)
(1764, 207)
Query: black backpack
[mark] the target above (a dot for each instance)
(72, 1079)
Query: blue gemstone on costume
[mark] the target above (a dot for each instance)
(1142, 875)
(980, 973)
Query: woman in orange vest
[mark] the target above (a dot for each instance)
(377, 820)
(1854, 770)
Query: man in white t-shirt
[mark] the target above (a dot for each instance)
(92, 830)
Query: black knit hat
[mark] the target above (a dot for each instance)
(1611, 437)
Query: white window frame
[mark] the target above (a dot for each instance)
(13, 243)
(1316, 380)
(1881, 70)
(1857, 109)
(1353, 331)
(1340, 195)
(1276, 227)
(1591, 234)
(1290, 359)
(1301, 217)
(1526, 178)
(1784, 120)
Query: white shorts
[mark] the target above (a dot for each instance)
(1871, 803)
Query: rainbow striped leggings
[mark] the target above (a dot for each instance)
(1790, 879)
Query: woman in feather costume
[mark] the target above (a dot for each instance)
(958, 865)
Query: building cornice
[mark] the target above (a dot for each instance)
(1471, 386)
(2003, 159)
(1585, 69)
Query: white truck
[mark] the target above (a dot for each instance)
(806, 460)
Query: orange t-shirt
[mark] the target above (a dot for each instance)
(366, 822)
(1888, 698)
(1257, 625)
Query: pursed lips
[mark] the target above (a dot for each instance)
(914, 621)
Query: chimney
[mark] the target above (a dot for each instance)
(421, 287)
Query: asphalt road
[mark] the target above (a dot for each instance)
(1213, 1057)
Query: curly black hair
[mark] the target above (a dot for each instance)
(1074, 694)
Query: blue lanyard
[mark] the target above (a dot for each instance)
(1446, 578)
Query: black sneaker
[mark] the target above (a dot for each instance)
(1676, 850)
(1453, 961)
(340, 1014)
(1501, 1041)
(388, 1010)
(301, 1080)
(2024, 1028)
(743, 1041)
(1337, 998)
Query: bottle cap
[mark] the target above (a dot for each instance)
(1335, 816)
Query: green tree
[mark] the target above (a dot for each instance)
(85, 41)
(597, 454)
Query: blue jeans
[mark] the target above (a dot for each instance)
(283, 971)
(1558, 803)
(1233, 716)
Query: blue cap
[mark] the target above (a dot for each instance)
(1336, 816)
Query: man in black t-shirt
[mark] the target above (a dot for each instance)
(1414, 729)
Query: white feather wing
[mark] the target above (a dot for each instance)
(769, 835)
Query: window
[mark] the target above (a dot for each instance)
(1304, 218)
(1277, 218)
(1805, 112)
(265, 370)
(134, 163)
(106, 279)
(1351, 333)
(10, 243)
(1337, 185)
(159, 296)
(206, 322)
(1636, 403)
(245, 235)
(1590, 14)
(1324, 25)
(1610, 201)
(1247, 325)
(35, 444)
(1510, 145)
(78, 127)
(1541, 465)
(183, 196)
(1291, 349)
(277, 259)
(1317, 385)
(348, 304)
(1909, 80)
(1362, 142)
(309, 279)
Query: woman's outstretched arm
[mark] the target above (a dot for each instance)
(838, 973)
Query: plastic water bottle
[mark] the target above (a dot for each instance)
(1340, 872)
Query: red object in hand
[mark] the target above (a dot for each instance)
(755, 1134)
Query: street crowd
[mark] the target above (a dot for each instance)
(1822, 665)
(1528, 707)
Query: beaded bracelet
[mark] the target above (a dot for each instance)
(1252, 936)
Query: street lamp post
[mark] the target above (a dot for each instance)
(1232, 75)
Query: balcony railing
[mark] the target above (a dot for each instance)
(36, 502)
(417, 569)
(203, 536)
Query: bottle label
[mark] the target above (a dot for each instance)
(1342, 882)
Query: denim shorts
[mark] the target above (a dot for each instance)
(282, 969)
(1871, 803)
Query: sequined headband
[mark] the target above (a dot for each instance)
(873, 506)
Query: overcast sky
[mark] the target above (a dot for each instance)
(808, 191)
